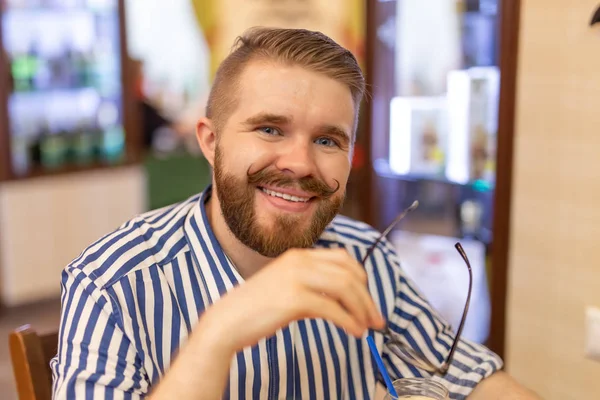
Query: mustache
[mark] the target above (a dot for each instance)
(308, 184)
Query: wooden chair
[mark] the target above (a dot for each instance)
(31, 354)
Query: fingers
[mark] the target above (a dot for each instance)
(319, 306)
(348, 261)
(335, 275)
(341, 256)
(340, 285)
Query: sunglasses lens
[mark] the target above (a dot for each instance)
(411, 357)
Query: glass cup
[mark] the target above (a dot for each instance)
(418, 389)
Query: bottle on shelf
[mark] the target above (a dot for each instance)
(24, 68)
(20, 155)
(104, 67)
(82, 143)
(53, 148)
(18, 70)
(42, 76)
(471, 215)
(82, 69)
(67, 70)
(22, 132)
(35, 143)
(110, 136)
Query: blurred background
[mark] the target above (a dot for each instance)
(486, 111)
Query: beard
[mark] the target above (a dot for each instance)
(237, 198)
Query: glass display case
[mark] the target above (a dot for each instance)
(436, 79)
(437, 115)
(62, 85)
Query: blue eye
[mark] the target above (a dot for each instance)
(325, 141)
(269, 130)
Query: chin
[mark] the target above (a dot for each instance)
(271, 221)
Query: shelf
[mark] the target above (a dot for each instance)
(65, 93)
(477, 13)
(382, 169)
(66, 90)
(58, 9)
(39, 172)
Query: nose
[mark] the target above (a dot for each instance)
(297, 159)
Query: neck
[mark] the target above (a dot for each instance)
(246, 261)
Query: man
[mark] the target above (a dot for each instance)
(252, 289)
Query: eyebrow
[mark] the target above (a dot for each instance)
(267, 118)
(335, 131)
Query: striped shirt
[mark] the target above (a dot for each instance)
(131, 299)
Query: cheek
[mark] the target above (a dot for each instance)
(260, 160)
(335, 167)
(243, 156)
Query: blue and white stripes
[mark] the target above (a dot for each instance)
(131, 299)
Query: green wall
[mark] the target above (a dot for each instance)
(174, 178)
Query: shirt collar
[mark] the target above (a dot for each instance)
(216, 270)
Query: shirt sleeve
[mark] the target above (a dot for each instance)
(419, 326)
(95, 359)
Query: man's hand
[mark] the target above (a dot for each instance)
(311, 283)
(501, 386)
(324, 283)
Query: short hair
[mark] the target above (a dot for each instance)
(299, 47)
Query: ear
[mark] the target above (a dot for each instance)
(207, 138)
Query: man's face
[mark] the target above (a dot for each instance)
(282, 159)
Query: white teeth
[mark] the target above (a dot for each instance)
(286, 196)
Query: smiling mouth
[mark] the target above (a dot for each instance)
(285, 196)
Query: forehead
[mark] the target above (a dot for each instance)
(295, 91)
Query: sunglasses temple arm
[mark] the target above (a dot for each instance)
(387, 230)
(446, 365)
